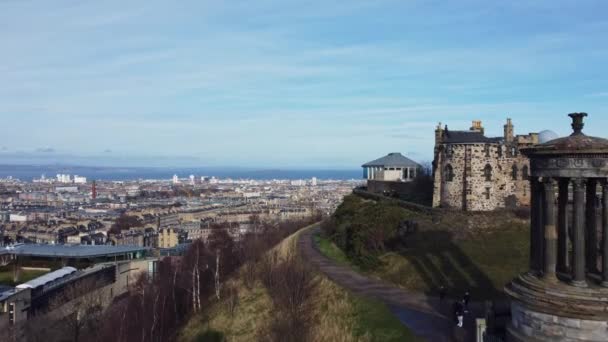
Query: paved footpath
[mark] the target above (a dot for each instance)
(422, 314)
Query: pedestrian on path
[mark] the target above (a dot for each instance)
(458, 314)
(465, 300)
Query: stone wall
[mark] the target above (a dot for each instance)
(469, 189)
(379, 187)
(531, 326)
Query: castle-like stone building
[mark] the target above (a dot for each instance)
(473, 172)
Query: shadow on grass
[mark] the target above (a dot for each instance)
(210, 336)
(440, 262)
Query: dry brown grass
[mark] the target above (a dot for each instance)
(333, 313)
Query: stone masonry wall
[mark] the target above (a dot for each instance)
(469, 188)
(529, 325)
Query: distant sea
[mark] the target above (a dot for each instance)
(30, 172)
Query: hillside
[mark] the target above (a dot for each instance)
(477, 252)
(337, 315)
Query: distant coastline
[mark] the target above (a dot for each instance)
(30, 172)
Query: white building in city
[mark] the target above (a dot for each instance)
(175, 179)
(80, 180)
(64, 178)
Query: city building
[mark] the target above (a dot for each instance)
(167, 238)
(473, 172)
(80, 180)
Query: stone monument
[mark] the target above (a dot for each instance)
(564, 296)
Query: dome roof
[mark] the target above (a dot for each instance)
(577, 143)
(546, 136)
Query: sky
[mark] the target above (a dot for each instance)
(285, 83)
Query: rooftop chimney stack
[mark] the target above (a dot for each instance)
(509, 131)
(477, 127)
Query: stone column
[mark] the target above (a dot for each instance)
(605, 232)
(535, 226)
(591, 226)
(578, 265)
(562, 227)
(550, 262)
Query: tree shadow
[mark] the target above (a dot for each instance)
(441, 262)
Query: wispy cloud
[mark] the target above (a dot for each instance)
(275, 81)
(599, 94)
(45, 150)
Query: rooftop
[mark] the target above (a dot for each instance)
(468, 137)
(71, 251)
(47, 278)
(393, 159)
(577, 143)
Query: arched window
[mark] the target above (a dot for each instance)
(449, 173)
(487, 172)
(514, 172)
(525, 172)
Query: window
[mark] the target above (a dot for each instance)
(487, 150)
(487, 172)
(499, 150)
(525, 172)
(487, 193)
(449, 173)
(449, 150)
(514, 172)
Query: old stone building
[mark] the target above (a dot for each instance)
(473, 172)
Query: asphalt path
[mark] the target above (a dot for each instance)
(424, 315)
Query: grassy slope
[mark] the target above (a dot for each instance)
(482, 264)
(339, 315)
(6, 277)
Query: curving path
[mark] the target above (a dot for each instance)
(422, 314)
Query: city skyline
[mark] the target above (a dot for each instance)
(282, 85)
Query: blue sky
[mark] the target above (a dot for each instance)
(288, 84)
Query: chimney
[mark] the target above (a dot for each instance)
(477, 127)
(509, 131)
(438, 135)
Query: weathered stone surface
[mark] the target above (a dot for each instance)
(545, 327)
(469, 189)
(571, 305)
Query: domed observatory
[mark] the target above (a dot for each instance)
(546, 136)
(564, 296)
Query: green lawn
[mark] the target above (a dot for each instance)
(483, 264)
(6, 277)
(330, 250)
(374, 319)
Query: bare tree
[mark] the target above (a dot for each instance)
(79, 309)
(291, 284)
(5, 260)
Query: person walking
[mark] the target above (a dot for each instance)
(442, 293)
(465, 301)
(460, 316)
